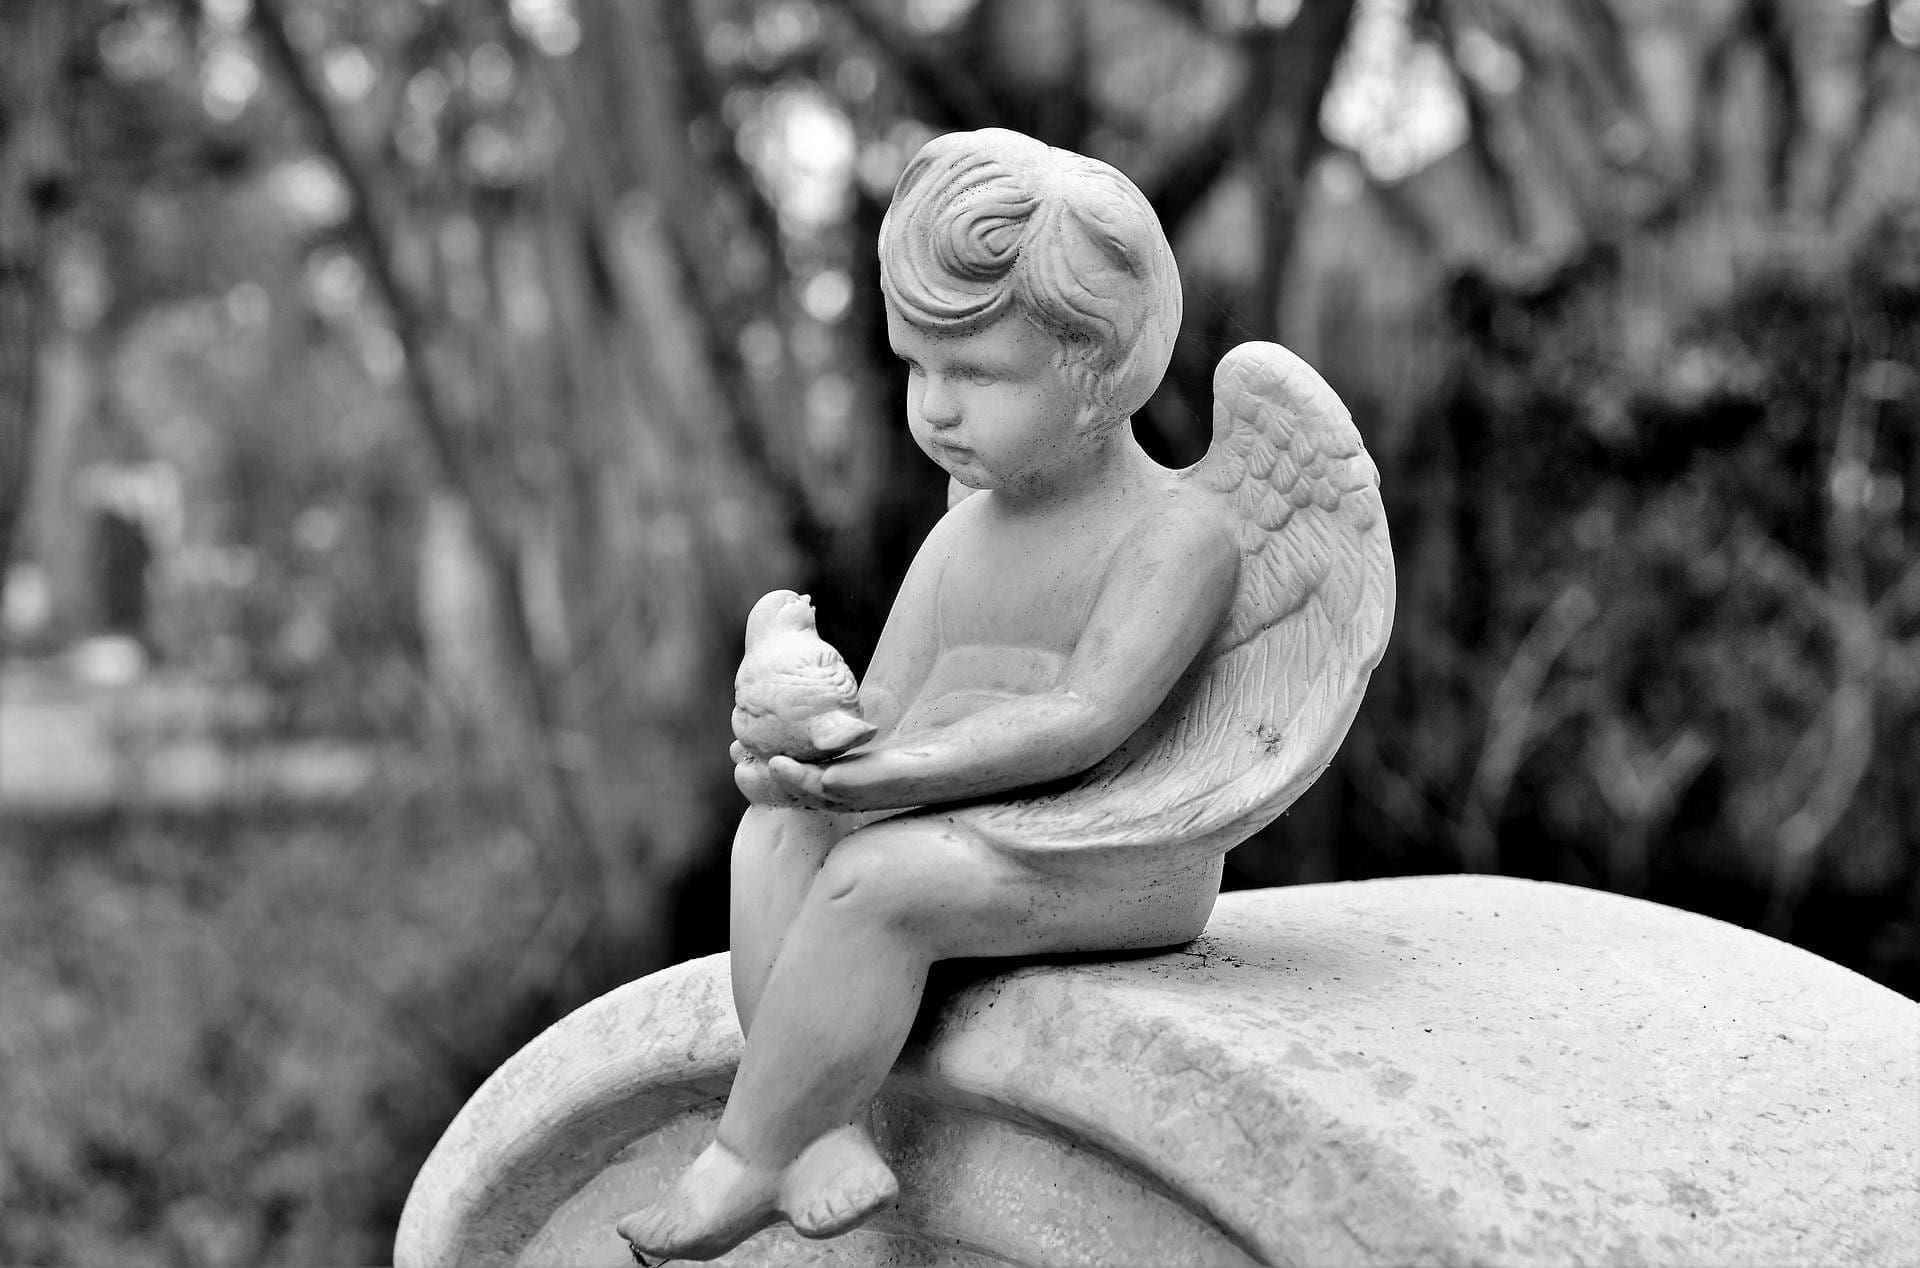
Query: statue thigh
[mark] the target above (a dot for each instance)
(777, 852)
(953, 893)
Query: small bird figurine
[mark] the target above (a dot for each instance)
(794, 694)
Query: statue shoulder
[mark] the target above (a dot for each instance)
(1187, 525)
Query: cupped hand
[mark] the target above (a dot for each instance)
(805, 782)
(781, 781)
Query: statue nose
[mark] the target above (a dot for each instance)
(939, 406)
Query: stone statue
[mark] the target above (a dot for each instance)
(1099, 674)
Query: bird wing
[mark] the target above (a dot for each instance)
(796, 677)
(1264, 707)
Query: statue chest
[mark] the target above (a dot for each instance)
(1039, 600)
(1003, 631)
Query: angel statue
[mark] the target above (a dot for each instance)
(1098, 677)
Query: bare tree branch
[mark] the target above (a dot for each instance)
(959, 99)
(686, 184)
(1184, 184)
(367, 230)
(572, 825)
(700, 99)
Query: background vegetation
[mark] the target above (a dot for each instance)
(417, 393)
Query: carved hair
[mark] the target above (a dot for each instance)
(984, 223)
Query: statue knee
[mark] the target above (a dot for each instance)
(769, 832)
(859, 881)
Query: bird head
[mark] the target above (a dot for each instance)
(780, 612)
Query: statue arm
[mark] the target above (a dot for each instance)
(1163, 597)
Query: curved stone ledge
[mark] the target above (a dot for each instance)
(1438, 1070)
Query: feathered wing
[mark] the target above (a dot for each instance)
(1266, 704)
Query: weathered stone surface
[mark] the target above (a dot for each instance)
(1441, 1070)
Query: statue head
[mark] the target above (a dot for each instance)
(994, 223)
(780, 612)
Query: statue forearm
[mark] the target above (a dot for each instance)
(1011, 745)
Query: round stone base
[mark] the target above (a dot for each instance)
(1433, 1070)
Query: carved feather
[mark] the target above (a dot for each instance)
(1265, 706)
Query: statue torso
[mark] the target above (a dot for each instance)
(1010, 606)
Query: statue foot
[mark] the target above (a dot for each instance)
(836, 1184)
(722, 1199)
(717, 1203)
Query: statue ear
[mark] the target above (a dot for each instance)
(1094, 417)
(1089, 413)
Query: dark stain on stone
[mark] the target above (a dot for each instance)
(1682, 1192)
(1626, 1253)
(1301, 1055)
(1393, 1083)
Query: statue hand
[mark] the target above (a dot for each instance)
(802, 784)
(755, 784)
(781, 782)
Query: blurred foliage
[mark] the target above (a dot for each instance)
(471, 365)
(228, 1039)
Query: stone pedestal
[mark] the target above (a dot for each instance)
(1438, 1070)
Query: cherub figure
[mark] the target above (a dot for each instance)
(1098, 676)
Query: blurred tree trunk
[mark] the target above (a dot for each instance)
(33, 175)
(618, 485)
(674, 511)
(1651, 273)
(1264, 146)
(33, 170)
(609, 905)
(1293, 67)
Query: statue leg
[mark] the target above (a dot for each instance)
(888, 901)
(776, 855)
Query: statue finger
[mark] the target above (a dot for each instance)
(804, 779)
(787, 771)
(754, 784)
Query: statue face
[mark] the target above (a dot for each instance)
(993, 407)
